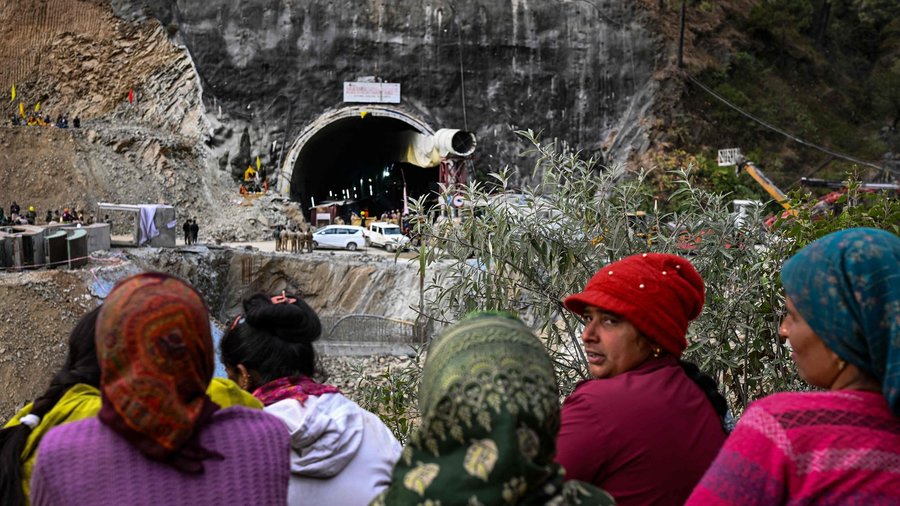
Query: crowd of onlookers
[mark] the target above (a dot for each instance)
(135, 416)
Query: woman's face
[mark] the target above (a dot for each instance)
(613, 345)
(818, 365)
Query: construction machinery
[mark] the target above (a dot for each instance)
(734, 158)
(825, 183)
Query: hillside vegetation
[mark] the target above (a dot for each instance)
(824, 71)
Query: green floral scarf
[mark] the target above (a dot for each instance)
(490, 415)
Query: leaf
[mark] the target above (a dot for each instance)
(420, 477)
(480, 458)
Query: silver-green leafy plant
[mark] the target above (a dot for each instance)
(523, 250)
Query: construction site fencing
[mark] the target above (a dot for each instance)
(365, 328)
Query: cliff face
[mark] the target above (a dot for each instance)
(203, 71)
(580, 70)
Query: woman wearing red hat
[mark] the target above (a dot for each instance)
(648, 425)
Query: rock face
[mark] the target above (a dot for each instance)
(203, 71)
(580, 70)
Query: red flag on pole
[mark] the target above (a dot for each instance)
(131, 96)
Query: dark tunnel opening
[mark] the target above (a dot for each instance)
(356, 159)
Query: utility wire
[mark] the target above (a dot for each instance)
(788, 134)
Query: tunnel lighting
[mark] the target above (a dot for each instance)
(370, 190)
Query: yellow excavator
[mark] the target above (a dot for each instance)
(734, 158)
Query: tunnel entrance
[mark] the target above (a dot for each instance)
(356, 158)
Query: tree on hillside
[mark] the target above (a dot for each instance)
(779, 17)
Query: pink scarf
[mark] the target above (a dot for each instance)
(294, 387)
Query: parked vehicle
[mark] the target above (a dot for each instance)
(339, 236)
(386, 235)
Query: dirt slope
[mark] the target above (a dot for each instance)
(39, 310)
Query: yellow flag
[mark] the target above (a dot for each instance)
(37, 107)
(12, 93)
(258, 163)
(21, 109)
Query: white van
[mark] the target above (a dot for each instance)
(339, 236)
(386, 235)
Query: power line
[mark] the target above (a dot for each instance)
(788, 134)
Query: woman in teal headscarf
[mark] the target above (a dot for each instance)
(840, 445)
(490, 414)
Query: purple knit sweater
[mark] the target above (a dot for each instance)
(85, 462)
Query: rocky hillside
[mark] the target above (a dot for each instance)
(148, 150)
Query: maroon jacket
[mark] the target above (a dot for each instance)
(645, 436)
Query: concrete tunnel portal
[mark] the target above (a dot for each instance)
(365, 155)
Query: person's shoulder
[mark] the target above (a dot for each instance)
(242, 414)
(72, 438)
(794, 401)
(236, 423)
(621, 388)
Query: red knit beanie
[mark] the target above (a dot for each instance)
(657, 293)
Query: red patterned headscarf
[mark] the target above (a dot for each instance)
(156, 356)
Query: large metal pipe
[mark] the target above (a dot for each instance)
(449, 141)
(427, 150)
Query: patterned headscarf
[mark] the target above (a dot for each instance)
(846, 285)
(490, 415)
(156, 358)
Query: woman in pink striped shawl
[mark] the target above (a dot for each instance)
(840, 445)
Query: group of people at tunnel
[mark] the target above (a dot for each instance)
(255, 181)
(62, 120)
(136, 416)
(29, 216)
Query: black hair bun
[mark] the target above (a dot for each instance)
(293, 322)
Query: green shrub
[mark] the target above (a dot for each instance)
(391, 394)
(525, 251)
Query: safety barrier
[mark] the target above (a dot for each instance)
(51, 245)
(371, 329)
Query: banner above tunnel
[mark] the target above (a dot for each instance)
(376, 93)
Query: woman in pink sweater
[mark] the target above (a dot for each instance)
(841, 445)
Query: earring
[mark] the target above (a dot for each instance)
(841, 364)
(656, 352)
